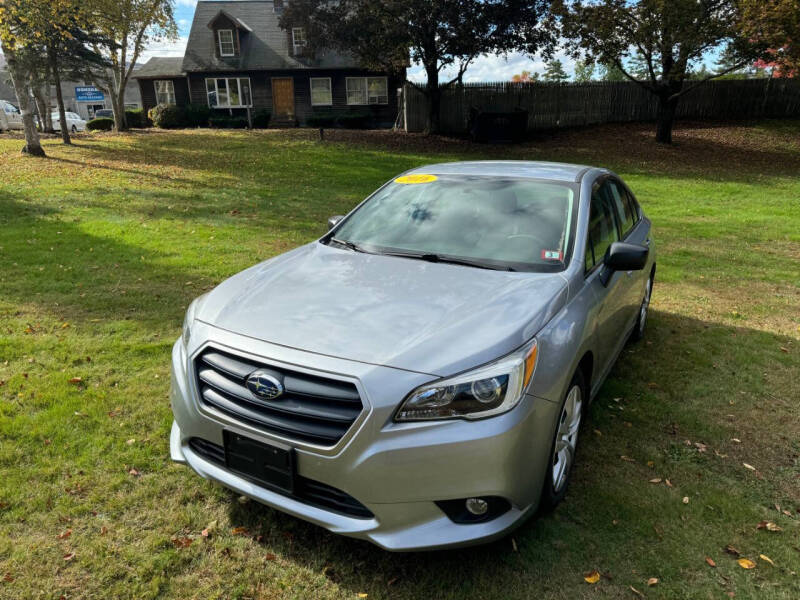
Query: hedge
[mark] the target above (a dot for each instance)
(226, 122)
(136, 118)
(197, 115)
(167, 116)
(100, 124)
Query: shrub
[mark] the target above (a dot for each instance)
(136, 118)
(261, 119)
(197, 115)
(167, 116)
(226, 122)
(321, 120)
(354, 120)
(100, 124)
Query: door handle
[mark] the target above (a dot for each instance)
(647, 242)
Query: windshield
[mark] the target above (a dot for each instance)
(519, 224)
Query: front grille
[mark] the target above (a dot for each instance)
(307, 490)
(312, 409)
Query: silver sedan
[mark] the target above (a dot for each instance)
(418, 376)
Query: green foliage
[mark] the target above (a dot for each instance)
(136, 118)
(611, 72)
(554, 72)
(354, 120)
(167, 116)
(321, 119)
(197, 115)
(584, 71)
(100, 124)
(261, 119)
(227, 122)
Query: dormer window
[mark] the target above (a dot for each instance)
(226, 44)
(299, 40)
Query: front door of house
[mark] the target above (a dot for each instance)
(283, 98)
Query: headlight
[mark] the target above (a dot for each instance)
(188, 320)
(486, 391)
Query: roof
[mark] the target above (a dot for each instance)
(160, 66)
(509, 168)
(264, 47)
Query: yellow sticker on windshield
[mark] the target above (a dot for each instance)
(418, 178)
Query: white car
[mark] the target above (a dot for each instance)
(10, 117)
(74, 122)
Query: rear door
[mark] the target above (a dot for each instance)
(13, 116)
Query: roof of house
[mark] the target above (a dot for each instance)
(160, 66)
(264, 45)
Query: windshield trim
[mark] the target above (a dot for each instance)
(556, 267)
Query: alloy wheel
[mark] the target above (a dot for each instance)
(645, 306)
(567, 437)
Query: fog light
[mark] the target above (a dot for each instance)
(477, 506)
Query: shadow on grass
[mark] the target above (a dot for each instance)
(676, 385)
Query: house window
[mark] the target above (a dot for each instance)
(367, 90)
(226, 45)
(229, 92)
(321, 91)
(165, 92)
(298, 39)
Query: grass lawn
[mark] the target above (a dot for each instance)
(103, 245)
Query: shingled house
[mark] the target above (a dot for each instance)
(238, 57)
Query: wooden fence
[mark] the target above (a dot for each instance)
(552, 106)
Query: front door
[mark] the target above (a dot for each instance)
(283, 98)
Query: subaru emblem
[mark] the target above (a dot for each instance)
(264, 386)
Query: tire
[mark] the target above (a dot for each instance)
(565, 443)
(641, 321)
(74, 129)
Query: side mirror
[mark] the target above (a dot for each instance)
(334, 221)
(622, 256)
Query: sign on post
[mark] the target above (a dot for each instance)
(88, 93)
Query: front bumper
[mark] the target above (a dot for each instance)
(397, 471)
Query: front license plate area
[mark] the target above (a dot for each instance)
(270, 465)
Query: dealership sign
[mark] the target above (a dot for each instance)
(88, 93)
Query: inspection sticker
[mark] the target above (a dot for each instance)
(418, 178)
(552, 255)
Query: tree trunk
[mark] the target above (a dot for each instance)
(62, 114)
(118, 104)
(48, 116)
(32, 144)
(434, 100)
(666, 118)
(41, 107)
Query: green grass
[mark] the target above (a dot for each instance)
(103, 245)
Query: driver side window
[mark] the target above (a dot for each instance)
(602, 227)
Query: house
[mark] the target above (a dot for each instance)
(239, 58)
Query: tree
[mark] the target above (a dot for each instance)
(610, 72)
(775, 26)
(123, 29)
(554, 72)
(669, 35)
(584, 71)
(12, 41)
(438, 34)
(525, 77)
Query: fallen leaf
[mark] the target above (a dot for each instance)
(134, 472)
(772, 527)
(514, 545)
(239, 531)
(668, 483)
(788, 513)
(746, 563)
(204, 533)
(650, 463)
(627, 458)
(270, 556)
(656, 480)
(65, 534)
(103, 530)
(598, 432)
(737, 440)
(592, 577)
(131, 441)
(766, 558)
(8, 578)
(731, 550)
(362, 595)
(751, 467)
(652, 581)
(76, 380)
(392, 581)
(69, 556)
(710, 561)
(183, 542)
(637, 592)
(785, 350)
(686, 499)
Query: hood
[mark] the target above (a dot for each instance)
(409, 314)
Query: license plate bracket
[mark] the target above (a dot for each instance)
(269, 465)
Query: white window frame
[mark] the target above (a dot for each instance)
(366, 98)
(170, 91)
(220, 43)
(311, 81)
(229, 81)
(299, 45)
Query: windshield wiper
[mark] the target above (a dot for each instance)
(450, 260)
(347, 244)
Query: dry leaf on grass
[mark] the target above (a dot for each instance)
(76, 380)
(8, 578)
(686, 499)
(134, 472)
(627, 458)
(769, 526)
(656, 480)
(183, 542)
(239, 531)
(270, 556)
(362, 595)
(592, 577)
(635, 591)
(746, 563)
(766, 558)
(751, 467)
(710, 562)
(65, 534)
(69, 556)
(652, 581)
(731, 550)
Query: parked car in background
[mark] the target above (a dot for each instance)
(104, 113)
(10, 117)
(418, 376)
(74, 122)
